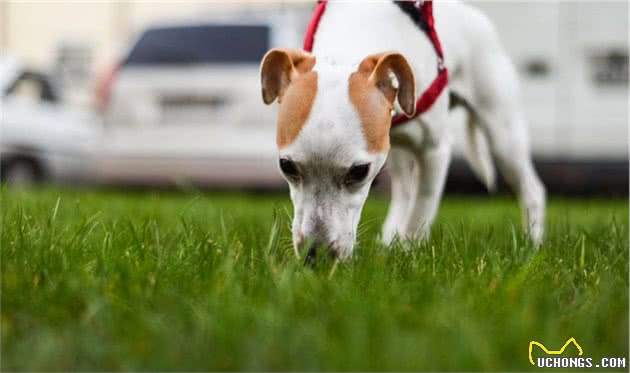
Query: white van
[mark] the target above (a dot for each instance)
(572, 59)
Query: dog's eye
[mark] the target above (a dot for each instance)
(357, 173)
(289, 168)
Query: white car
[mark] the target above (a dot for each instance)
(184, 106)
(40, 139)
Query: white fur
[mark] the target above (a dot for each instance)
(331, 140)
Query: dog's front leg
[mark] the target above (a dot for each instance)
(418, 169)
(402, 168)
(433, 155)
(433, 160)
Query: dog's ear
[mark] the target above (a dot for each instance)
(279, 67)
(379, 68)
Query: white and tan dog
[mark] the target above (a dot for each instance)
(335, 105)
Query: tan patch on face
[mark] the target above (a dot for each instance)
(374, 111)
(295, 107)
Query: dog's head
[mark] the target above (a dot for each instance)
(333, 137)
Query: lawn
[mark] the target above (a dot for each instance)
(106, 280)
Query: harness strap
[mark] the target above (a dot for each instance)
(428, 97)
(309, 36)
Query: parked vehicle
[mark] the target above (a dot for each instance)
(184, 106)
(40, 139)
(572, 59)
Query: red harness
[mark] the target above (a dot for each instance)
(427, 99)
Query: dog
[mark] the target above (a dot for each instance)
(335, 109)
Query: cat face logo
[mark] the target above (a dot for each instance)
(553, 352)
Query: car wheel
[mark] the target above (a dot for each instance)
(22, 173)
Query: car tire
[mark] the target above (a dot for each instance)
(22, 172)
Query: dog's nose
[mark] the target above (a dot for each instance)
(312, 248)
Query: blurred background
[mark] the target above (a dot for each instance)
(166, 94)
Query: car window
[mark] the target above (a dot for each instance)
(201, 44)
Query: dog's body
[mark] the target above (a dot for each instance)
(331, 119)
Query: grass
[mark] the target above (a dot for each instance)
(102, 280)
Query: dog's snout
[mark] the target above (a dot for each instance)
(314, 248)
